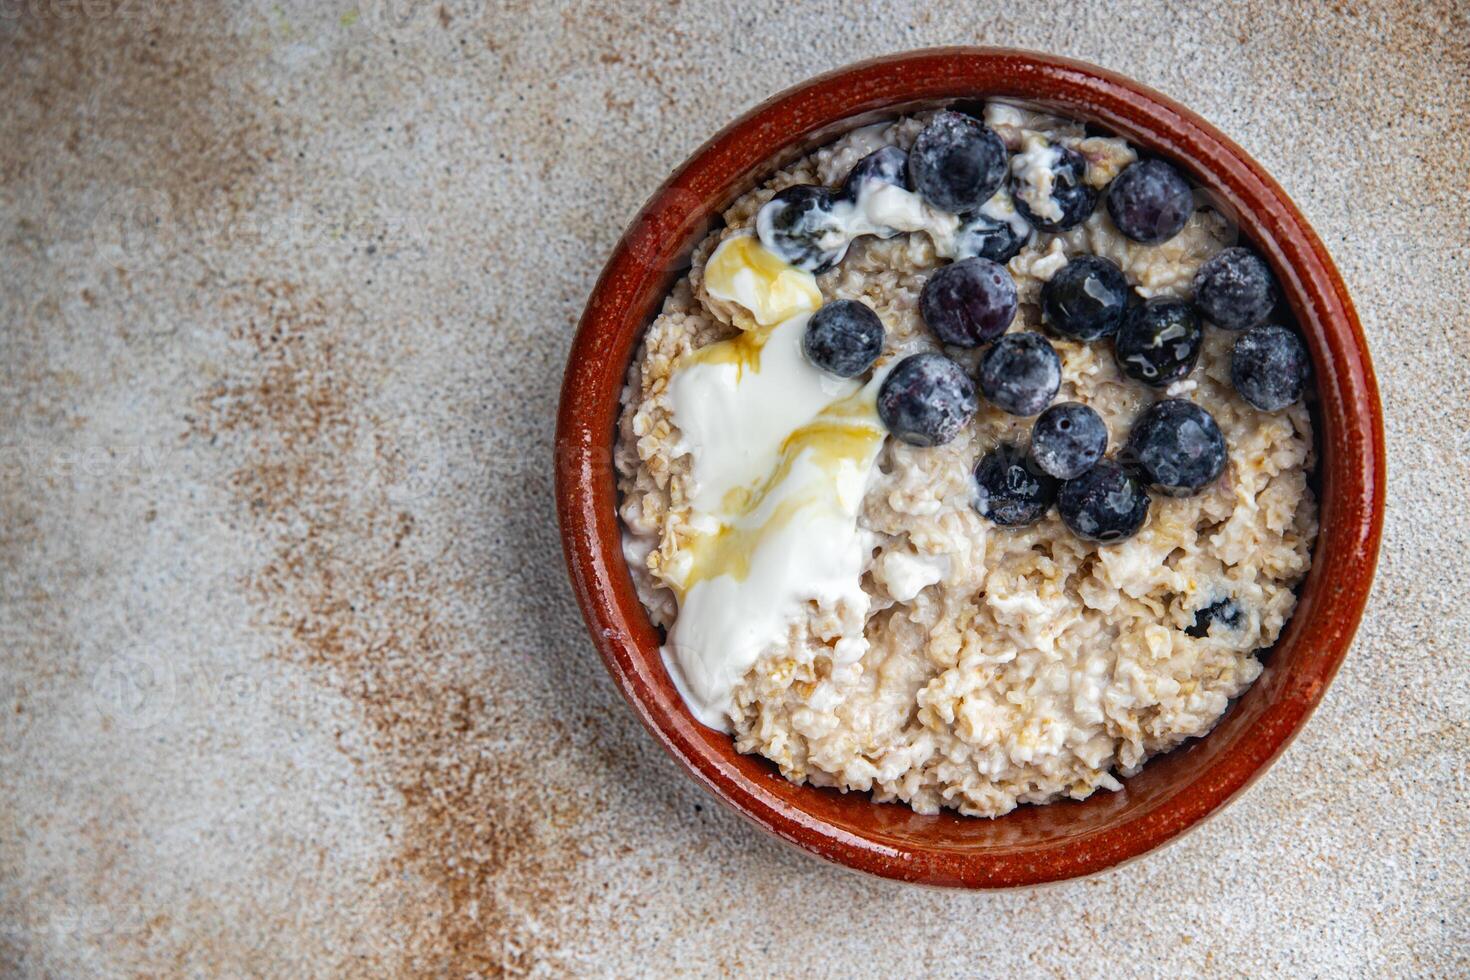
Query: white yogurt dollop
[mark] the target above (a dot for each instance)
(782, 454)
(884, 210)
(742, 271)
(906, 575)
(1035, 171)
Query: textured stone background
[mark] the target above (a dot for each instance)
(292, 681)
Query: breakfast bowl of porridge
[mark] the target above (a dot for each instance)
(970, 468)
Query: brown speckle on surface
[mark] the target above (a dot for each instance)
(292, 682)
(479, 843)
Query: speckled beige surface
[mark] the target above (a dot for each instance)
(291, 682)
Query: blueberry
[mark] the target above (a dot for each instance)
(843, 338)
(797, 224)
(1234, 289)
(1269, 366)
(1105, 504)
(1150, 202)
(1226, 612)
(1008, 492)
(1067, 440)
(890, 165)
(1159, 342)
(990, 238)
(1021, 373)
(969, 303)
(1048, 187)
(1086, 299)
(957, 163)
(926, 399)
(1177, 447)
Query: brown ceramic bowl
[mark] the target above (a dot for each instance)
(1033, 844)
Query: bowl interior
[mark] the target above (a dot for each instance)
(1033, 843)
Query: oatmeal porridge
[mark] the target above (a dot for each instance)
(968, 465)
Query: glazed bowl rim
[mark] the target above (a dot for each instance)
(647, 260)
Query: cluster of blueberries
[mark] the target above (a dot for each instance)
(1175, 446)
